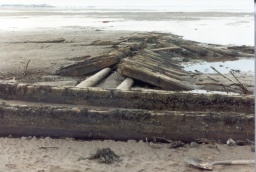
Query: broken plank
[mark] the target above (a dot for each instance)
(153, 78)
(229, 52)
(201, 51)
(58, 40)
(99, 123)
(153, 68)
(165, 49)
(90, 65)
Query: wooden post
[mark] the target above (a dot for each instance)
(126, 84)
(93, 80)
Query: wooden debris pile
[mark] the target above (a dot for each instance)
(150, 59)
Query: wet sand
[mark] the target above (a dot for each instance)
(59, 155)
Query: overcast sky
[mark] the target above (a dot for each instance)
(133, 2)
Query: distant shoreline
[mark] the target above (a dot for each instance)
(26, 5)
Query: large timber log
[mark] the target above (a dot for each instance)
(122, 124)
(149, 100)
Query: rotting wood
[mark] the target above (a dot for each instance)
(150, 100)
(168, 72)
(97, 63)
(90, 65)
(146, 61)
(58, 40)
(96, 78)
(230, 52)
(90, 123)
(155, 78)
(202, 51)
(165, 49)
(126, 84)
(102, 43)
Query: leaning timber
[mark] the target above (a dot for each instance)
(140, 72)
(97, 63)
(148, 100)
(90, 123)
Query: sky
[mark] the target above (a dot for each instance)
(241, 3)
(171, 5)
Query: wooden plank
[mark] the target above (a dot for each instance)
(90, 123)
(153, 68)
(165, 49)
(90, 65)
(97, 63)
(134, 71)
(156, 65)
(230, 52)
(201, 51)
(149, 100)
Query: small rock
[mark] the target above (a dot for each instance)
(177, 144)
(193, 145)
(253, 149)
(231, 142)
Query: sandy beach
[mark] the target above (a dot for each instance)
(57, 155)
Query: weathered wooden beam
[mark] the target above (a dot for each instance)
(90, 65)
(165, 49)
(201, 51)
(146, 61)
(150, 100)
(95, 79)
(155, 68)
(97, 63)
(155, 78)
(126, 84)
(230, 52)
(90, 123)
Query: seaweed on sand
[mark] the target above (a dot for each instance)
(105, 156)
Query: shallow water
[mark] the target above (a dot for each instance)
(242, 65)
(236, 29)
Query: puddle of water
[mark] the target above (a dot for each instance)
(211, 92)
(242, 65)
